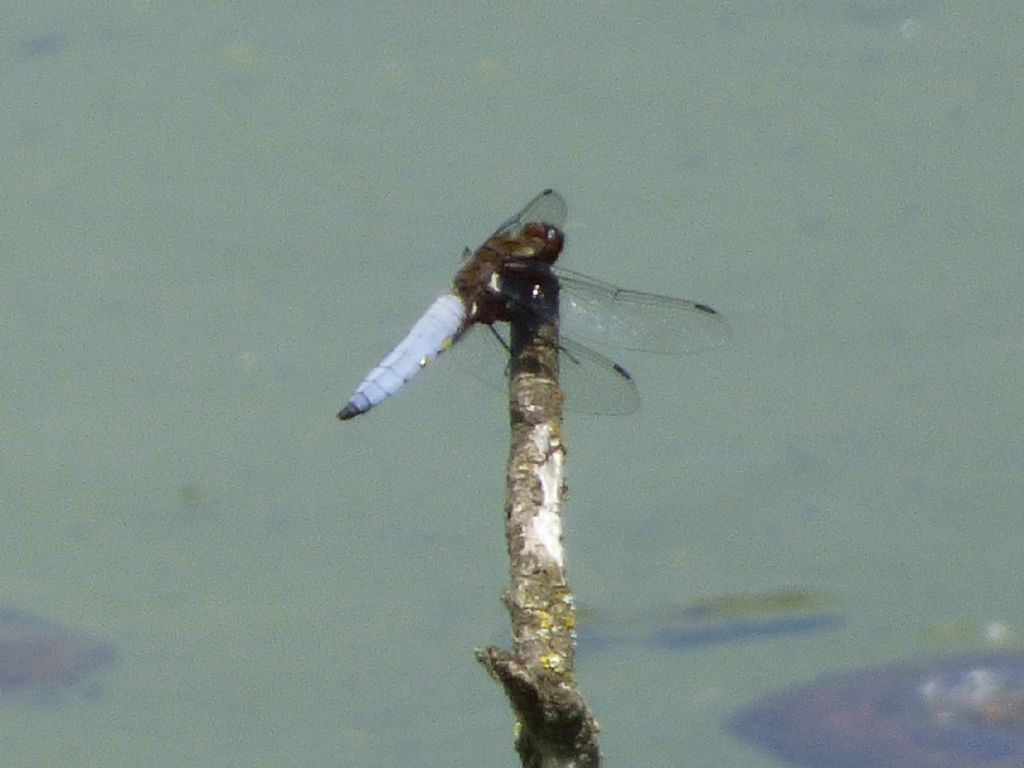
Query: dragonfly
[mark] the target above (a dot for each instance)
(488, 289)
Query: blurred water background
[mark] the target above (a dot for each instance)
(218, 217)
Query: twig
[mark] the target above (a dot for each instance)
(554, 726)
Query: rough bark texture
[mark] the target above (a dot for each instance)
(554, 725)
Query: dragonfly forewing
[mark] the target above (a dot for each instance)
(605, 314)
(546, 208)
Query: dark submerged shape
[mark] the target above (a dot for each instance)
(956, 712)
(738, 617)
(39, 654)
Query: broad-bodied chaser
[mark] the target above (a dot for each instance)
(488, 289)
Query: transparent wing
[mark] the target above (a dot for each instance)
(546, 208)
(604, 314)
(592, 383)
(481, 355)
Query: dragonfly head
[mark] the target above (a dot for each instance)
(543, 242)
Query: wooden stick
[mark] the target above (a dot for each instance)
(554, 727)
